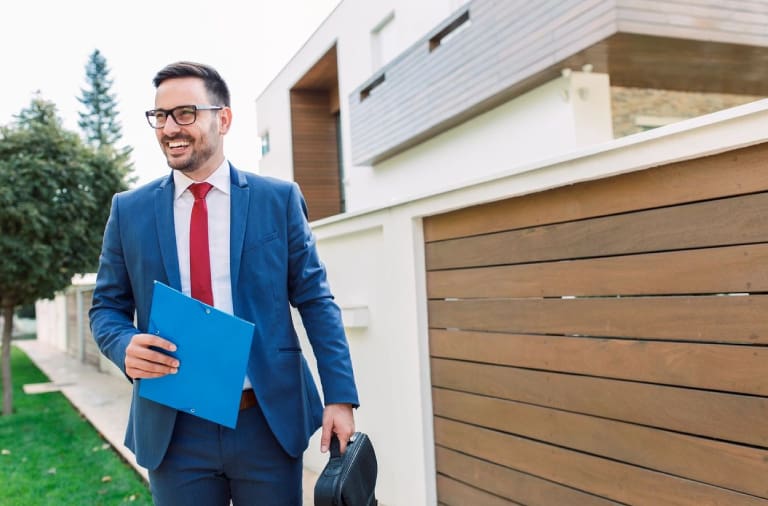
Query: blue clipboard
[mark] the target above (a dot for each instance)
(212, 347)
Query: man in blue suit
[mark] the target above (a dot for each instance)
(262, 260)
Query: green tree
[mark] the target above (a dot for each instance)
(55, 194)
(99, 121)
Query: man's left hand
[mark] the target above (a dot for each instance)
(338, 419)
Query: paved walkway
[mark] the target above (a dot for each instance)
(104, 399)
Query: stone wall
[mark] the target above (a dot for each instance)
(635, 110)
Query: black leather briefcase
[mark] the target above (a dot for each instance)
(349, 479)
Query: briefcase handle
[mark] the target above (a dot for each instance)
(333, 468)
(335, 446)
(347, 477)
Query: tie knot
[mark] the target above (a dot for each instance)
(200, 190)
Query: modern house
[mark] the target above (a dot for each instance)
(397, 98)
(545, 225)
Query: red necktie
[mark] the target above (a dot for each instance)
(199, 255)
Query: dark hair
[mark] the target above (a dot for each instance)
(214, 84)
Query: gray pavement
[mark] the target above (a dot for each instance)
(104, 399)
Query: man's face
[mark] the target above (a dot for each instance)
(196, 149)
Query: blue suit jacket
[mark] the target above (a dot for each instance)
(273, 262)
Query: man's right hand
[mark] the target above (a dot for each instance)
(143, 362)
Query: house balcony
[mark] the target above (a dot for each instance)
(489, 52)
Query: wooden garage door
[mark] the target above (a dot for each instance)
(606, 342)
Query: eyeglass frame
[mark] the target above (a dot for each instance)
(169, 112)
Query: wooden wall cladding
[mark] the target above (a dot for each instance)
(315, 152)
(605, 342)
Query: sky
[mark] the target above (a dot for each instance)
(45, 46)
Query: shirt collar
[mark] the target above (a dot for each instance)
(219, 180)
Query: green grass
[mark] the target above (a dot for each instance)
(51, 455)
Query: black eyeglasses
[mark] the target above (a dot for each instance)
(182, 115)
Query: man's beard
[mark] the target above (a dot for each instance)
(195, 160)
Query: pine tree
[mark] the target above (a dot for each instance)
(99, 121)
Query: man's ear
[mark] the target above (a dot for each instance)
(225, 120)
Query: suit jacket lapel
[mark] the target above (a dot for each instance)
(240, 200)
(166, 232)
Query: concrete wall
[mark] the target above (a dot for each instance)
(375, 260)
(62, 322)
(51, 315)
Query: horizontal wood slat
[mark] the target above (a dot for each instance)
(507, 482)
(731, 319)
(732, 466)
(738, 220)
(711, 270)
(740, 369)
(606, 478)
(686, 181)
(729, 417)
(456, 493)
(315, 152)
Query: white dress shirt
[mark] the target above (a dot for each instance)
(218, 203)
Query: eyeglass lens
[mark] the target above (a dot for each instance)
(182, 115)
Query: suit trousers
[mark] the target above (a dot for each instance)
(208, 464)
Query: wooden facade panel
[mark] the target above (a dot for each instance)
(727, 319)
(733, 269)
(506, 482)
(729, 417)
(605, 478)
(540, 20)
(739, 369)
(315, 152)
(720, 222)
(712, 18)
(667, 56)
(590, 30)
(732, 466)
(682, 182)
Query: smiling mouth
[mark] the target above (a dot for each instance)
(177, 144)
